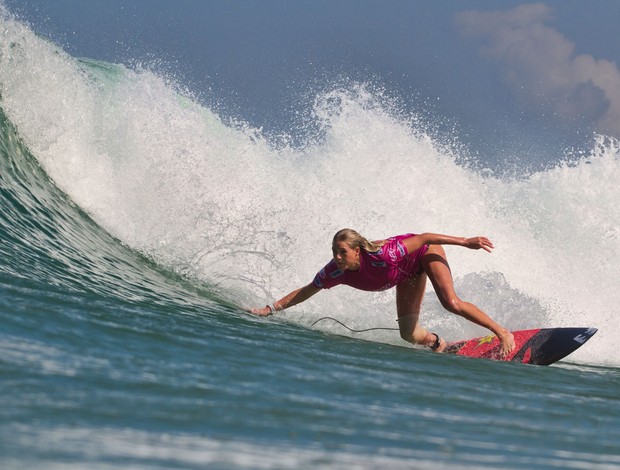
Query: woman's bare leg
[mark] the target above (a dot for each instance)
(409, 296)
(436, 266)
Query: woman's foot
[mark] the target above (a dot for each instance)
(439, 344)
(507, 343)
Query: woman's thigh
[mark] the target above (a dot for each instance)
(435, 264)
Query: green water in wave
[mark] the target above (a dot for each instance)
(50, 239)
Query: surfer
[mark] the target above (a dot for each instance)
(404, 262)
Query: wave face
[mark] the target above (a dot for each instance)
(118, 158)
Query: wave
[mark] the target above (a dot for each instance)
(121, 181)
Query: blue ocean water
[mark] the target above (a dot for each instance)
(136, 224)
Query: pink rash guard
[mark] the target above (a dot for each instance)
(378, 271)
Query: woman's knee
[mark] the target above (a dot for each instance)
(453, 305)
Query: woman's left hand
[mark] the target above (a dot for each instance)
(476, 243)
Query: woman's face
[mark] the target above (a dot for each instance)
(346, 257)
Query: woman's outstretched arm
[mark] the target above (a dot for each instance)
(475, 243)
(296, 297)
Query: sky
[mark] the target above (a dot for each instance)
(513, 78)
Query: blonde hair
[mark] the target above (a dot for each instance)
(355, 240)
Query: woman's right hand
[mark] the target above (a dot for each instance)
(261, 312)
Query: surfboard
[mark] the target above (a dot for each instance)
(542, 346)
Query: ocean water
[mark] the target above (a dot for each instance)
(137, 224)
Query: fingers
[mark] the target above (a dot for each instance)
(261, 312)
(486, 244)
(477, 243)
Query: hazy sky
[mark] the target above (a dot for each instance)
(511, 75)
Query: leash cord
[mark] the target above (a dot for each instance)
(351, 329)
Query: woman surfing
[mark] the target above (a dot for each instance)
(404, 262)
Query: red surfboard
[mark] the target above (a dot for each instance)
(543, 346)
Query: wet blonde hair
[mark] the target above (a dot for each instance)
(355, 240)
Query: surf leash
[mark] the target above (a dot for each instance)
(351, 329)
